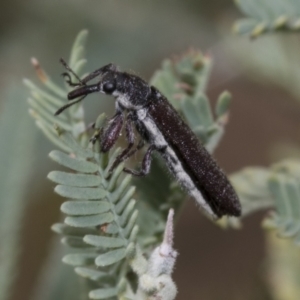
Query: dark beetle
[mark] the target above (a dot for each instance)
(160, 126)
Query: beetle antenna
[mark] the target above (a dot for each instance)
(60, 110)
(64, 63)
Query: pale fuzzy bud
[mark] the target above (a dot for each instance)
(163, 257)
(160, 288)
(156, 283)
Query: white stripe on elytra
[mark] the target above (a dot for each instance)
(174, 164)
(157, 138)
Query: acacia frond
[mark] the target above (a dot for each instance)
(44, 102)
(267, 16)
(101, 215)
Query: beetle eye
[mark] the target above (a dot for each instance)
(109, 87)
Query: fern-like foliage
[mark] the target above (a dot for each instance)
(268, 15)
(45, 102)
(101, 216)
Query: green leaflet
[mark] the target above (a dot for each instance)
(251, 185)
(110, 257)
(79, 259)
(103, 293)
(90, 221)
(125, 199)
(130, 224)
(223, 103)
(90, 273)
(75, 164)
(286, 192)
(72, 231)
(198, 110)
(127, 212)
(80, 193)
(277, 187)
(85, 207)
(71, 179)
(70, 142)
(104, 241)
(122, 188)
(75, 242)
(112, 228)
(267, 16)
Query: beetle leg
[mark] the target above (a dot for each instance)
(146, 164)
(111, 133)
(139, 146)
(130, 138)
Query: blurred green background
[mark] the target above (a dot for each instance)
(138, 35)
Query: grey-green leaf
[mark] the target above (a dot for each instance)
(90, 221)
(83, 208)
(104, 241)
(90, 273)
(110, 257)
(223, 104)
(197, 110)
(76, 148)
(80, 193)
(79, 259)
(73, 163)
(79, 180)
(75, 242)
(65, 229)
(103, 293)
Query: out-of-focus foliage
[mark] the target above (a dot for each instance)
(17, 137)
(284, 185)
(273, 59)
(282, 268)
(268, 15)
(277, 187)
